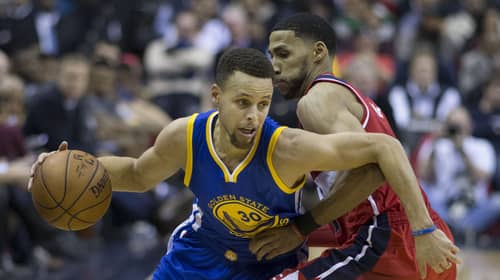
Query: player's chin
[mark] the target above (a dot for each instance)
(287, 93)
(243, 142)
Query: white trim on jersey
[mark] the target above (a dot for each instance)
(194, 220)
(349, 258)
(358, 95)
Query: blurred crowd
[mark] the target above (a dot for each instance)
(107, 75)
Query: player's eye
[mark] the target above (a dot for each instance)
(282, 54)
(263, 105)
(243, 102)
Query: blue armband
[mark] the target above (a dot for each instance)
(424, 231)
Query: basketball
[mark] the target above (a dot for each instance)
(71, 190)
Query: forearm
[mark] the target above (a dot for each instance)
(398, 172)
(348, 191)
(123, 174)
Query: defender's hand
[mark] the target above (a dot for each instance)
(63, 146)
(274, 242)
(437, 251)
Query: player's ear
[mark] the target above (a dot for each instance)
(319, 51)
(215, 90)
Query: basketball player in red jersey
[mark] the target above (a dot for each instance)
(382, 237)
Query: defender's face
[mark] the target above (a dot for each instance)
(291, 59)
(243, 106)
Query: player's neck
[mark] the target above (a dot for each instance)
(223, 146)
(318, 69)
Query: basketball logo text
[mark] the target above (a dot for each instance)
(244, 217)
(83, 164)
(98, 188)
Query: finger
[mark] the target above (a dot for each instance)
(63, 146)
(33, 169)
(257, 242)
(422, 268)
(454, 258)
(30, 183)
(437, 269)
(265, 250)
(43, 156)
(446, 265)
(274, 253)
(454, 249)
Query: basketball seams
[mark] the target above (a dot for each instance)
(47, 188)
(66, 176)
(86, 187)
(75, 215)
(66, 211)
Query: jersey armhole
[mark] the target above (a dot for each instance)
(269, 159)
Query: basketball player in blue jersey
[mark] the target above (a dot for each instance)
(245, 171)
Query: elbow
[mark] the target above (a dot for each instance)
(138, 184)
(387, 145)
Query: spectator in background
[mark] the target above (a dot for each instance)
(422, 22)
(456, 169)
(177, 70)
(22, 238)
(363, 16)
(113, 135)
(478, 63)
(422, 102)
(39, 22)
(366, 45)
(363, 73)
(61, 112)
(4, 65)
(486, 116)
(107, 52)
(138, 113)
(27, 64)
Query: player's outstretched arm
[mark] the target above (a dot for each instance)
(162, 160)
(299, 152)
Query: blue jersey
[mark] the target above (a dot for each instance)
(233, 206)
(236, 205)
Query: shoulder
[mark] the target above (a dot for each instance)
(330, 94)
(173, 136)
(288, 143)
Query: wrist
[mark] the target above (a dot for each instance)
(424, 231)
(305, 223)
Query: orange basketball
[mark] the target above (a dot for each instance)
(71, 190)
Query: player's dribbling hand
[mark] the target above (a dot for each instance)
(63, 146)
(274, 242)
(437, 251)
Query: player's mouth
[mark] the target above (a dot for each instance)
(248, 132)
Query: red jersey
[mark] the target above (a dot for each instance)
(384, 199)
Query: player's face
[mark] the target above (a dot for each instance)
(291, 57)
(243, 106)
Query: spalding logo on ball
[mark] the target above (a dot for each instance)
(71, 190)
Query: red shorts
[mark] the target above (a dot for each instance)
(383, 249)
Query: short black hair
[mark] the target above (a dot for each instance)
(309, 26)
(247, 60)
